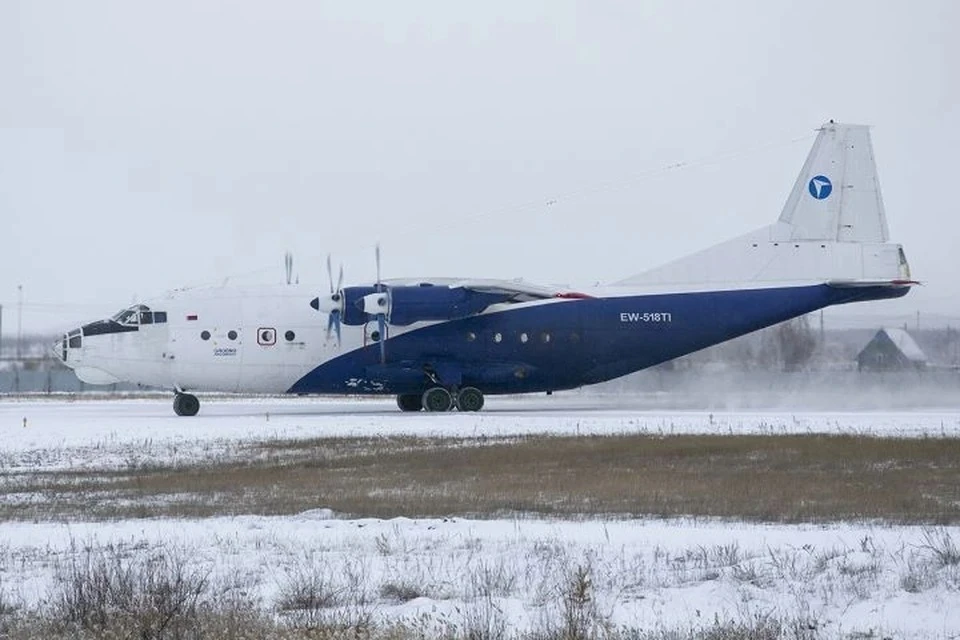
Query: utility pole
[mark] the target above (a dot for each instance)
(19, 321)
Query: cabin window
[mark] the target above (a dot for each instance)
(266, 336)
(471, 336)
(497, 337)
(524, 337)
(545, 337)
(290, 336)
(204, 335)
(159, 317)
(232, 334)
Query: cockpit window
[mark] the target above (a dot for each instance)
(127, 316)
(139, 314)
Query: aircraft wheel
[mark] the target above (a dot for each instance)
(185, 404)
(470, 399)
(410, 402)
(437, 399)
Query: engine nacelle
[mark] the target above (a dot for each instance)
(405, 305)
(353, 313)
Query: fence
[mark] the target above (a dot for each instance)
(51, 381)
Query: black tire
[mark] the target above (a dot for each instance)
(185, 404)
(470, 399)
(410, 402)
(437, 399)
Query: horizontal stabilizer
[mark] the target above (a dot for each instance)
(854, 284)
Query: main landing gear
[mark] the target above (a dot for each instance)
(441, 399)
(185, 404)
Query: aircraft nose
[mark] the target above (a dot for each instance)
(59, 349)
(67, 349)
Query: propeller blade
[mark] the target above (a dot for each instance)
(333, 324)
(378, 266)
(330, 273)
(339, 280)
(382, 327)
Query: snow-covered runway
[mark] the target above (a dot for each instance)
(103, 434)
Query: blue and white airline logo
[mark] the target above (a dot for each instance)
(820, 187)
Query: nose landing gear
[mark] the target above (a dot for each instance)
(185, 404)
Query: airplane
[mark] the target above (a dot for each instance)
(440, 344)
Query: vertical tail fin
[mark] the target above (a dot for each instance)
(832, 229)
(837, 195)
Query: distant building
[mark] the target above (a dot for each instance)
(891, 350)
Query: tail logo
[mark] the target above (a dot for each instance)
(820, 187)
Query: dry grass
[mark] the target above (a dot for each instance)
(795, 478)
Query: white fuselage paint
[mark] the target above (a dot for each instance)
(175, 354)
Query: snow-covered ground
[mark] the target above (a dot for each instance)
(839, 580)
(843, 579)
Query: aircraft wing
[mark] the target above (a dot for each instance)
(524, 291)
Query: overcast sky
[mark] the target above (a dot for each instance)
(148, 146)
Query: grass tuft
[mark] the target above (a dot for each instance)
(793, 478)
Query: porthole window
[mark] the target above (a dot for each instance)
(545, 337)
(232, 334)
(497, 337)
(471, 336)
(266, 336)
(290, 336)
(524, 337)
(204, 335)
(375, 336)
(574, 337)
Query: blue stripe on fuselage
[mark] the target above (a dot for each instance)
(570, 343)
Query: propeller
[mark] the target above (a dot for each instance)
(333, 316)
(381, 316)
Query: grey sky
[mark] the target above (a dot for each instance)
(148, 146)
